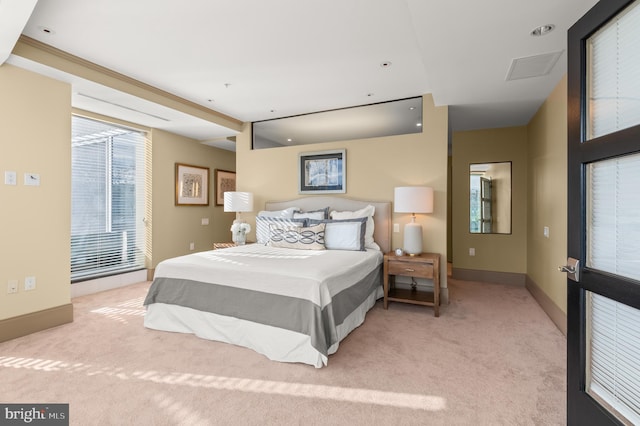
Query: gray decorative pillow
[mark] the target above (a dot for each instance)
(348, 234)
(297, 237)
(314, 214)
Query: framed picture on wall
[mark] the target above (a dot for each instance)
(225, 181)
(322, 172)
(192, 185)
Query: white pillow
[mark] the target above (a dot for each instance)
(263, 222)
(286, 213)
(345, 234)
(296, 237)
(367, 212)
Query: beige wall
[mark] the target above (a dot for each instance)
(174, 227)
(374, 167)
(547, 196)
(35, 135)
(493, 252)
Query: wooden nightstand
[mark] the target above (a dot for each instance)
(218, 246)
(426, 265)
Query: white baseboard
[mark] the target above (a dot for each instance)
(107, 283)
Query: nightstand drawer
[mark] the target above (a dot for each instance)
(411, 269)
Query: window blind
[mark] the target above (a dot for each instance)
(613, 231)
(107, 199)
(614, 86)
(614, 357)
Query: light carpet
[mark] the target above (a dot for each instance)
(492, 358)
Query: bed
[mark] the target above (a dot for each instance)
(287, 302)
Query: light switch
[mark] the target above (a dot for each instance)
(10, 178)
(29, 283)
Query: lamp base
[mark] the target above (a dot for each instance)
(413, 239)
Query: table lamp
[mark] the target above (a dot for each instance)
(238, 202)
(413, 199)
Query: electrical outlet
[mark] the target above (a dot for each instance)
(396, 227)
(12, 286)
(29, 283)
(192, 246)
(472, 252)
(545, 231)
(205, 220)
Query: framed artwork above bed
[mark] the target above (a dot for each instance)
(322, 172)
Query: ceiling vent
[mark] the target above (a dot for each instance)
(532, 66)
(122, 106)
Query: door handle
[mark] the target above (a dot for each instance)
(572, 268)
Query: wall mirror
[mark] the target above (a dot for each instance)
(391, 118)
(490, 198)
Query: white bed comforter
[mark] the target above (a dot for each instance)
(271, 289)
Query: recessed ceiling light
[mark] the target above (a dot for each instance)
(419, 124)
(289, 139)
(412, 108)
(543, 30)
(385, 64)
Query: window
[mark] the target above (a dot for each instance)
(614, 87)
(399, 117)
(107, 199)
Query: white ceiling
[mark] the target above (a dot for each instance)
(256, 60)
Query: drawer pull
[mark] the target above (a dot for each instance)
(409, 270)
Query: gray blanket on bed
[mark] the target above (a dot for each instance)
(285, 312)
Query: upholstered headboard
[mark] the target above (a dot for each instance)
(381, 217)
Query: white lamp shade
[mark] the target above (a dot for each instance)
(238, 201)
(413, 199)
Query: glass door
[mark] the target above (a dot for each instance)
(603, 283)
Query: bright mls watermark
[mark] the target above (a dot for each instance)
(34, 414)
